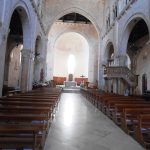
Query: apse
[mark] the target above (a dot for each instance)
(71, 55)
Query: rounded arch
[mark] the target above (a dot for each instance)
(127, 30)
(21, 12)
(25, 17)
(76, 10)
(109, 50)
(71, 43)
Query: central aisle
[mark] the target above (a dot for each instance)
(78, 125)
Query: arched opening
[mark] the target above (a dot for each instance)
(17, 51)
(110, 55)
(135, 41)
(71, 57)
(37, 60)
(77, 23)
(138, 37)
(13, 54)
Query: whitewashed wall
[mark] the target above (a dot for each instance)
(67, 44)
(89, 32)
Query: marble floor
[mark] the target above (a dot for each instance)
(78, 125)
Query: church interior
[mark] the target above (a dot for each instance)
(75, 74)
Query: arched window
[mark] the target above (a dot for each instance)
(71, 64)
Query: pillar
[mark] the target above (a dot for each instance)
(27, 69)
(3, 40)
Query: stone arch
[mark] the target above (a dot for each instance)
(87, 37)
(26, 21)
(87, 15)
(127, 30)
(109, 50)
(72, 51)
(76, 10)
(22, 12)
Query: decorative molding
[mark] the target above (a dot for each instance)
(121, 72)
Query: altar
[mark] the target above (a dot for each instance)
(70, 83)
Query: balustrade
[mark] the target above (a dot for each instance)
(121, 72)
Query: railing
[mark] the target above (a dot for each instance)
(121, 72)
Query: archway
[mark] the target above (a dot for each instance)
(71, 48)
(128, 27)
(138, 37)
(13, 54)
(74, 22)
(109, 54)
(16, 52)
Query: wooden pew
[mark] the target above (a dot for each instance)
(19, 137)
(117, 106)
(23, 103)
(129, 118)
(118, 110)
(23, 111)
(142, 133)
(25, 120)
(110, 107)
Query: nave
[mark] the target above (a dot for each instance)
(78, 125)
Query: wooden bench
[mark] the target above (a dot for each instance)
(143, 130)
(27, 114)
(19, 137)
(110, 107)
(118, 110)
(26, 120)
(129, 118)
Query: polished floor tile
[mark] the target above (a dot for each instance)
(78, 125)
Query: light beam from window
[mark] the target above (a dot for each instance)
(71, 64)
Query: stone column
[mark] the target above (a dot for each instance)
(45, 45)
(27, 56)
